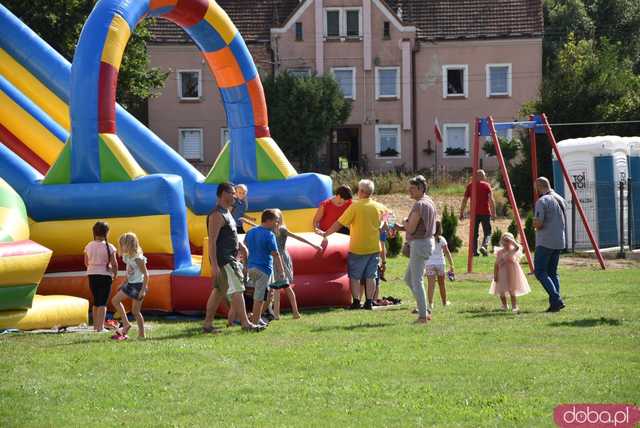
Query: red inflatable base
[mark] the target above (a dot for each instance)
(190, 294)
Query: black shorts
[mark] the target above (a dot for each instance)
(132, 290)
(100, 286)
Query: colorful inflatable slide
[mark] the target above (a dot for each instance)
(22, 264)
(75, 156)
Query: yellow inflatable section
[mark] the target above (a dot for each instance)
(47, 312)
(22, 264)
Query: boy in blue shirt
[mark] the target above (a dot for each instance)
(263, 250)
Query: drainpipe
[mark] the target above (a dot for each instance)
(414, 103)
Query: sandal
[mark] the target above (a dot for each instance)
(119, 337)
(253, 328)
(211, 329)
(122, 331)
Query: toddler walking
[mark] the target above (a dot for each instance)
(136, 286)
(508, 277)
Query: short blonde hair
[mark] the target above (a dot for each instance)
(129, 244)
(243, 187)
(366, 186)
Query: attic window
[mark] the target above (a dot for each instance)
(298, 31)
(386, 30)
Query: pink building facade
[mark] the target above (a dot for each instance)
(402, 65)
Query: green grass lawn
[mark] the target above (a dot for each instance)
(471, 366)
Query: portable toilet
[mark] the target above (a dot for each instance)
(634, 182)
(596, 165)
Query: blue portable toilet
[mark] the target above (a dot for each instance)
(596, 165)
(634, 176)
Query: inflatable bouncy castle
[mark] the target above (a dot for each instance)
(75, 157)
(22, 264)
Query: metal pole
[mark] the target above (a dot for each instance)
(475, 150)
(565, 173)
(507, 186)
(573, 222)
(534, 159)
(629, 216)
(621, 253)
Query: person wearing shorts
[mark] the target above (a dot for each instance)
(102, 267)
(263, 251)
(437, 267)
(226, 269)
(364, 218)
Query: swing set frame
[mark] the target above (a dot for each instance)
(537, 124)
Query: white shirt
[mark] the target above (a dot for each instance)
(437, 255)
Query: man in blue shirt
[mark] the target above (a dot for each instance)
(549, 221)
(263, 250)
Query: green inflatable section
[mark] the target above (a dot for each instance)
(17, 296)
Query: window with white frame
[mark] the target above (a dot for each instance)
(498, 80)
(225, 137)
(191, 143)
(189, 84)
(352, 22)
(299, 71)
(455, 81)
(343, 22)
(346, 78)
(456, 139)
(387, 82)
(388, 142)
(503, 134)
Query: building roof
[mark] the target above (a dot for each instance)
(471, 19)
(434, 19)
(253, 18)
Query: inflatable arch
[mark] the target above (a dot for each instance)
(97, 154)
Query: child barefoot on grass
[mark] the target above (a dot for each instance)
(136, 286)
(436, 267)
(508, 277)
(102, 268)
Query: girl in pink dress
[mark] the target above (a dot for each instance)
(508, 277)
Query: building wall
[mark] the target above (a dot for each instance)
(525, 55)
(167, 113)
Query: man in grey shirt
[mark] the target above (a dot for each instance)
(549, 222)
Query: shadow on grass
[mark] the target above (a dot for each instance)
(487, 313)
(587, 322)
(351, 327)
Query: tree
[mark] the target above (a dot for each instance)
(590, 82)
(60, 22)
(450, 229)
(302, 112)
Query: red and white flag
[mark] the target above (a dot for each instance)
(436, 130)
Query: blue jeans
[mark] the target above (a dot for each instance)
(546, 267)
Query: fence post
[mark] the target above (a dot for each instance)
(630, 215)
(573, 221)
(621, 187)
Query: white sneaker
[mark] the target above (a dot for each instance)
(448, 303)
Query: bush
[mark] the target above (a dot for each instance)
(513, 229)
(449, 229)
(503, 209)
(394, 245)
(495, 237)
(529, 231)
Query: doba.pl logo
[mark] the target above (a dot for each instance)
(596, 415)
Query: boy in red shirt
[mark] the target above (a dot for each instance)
(485, 211)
